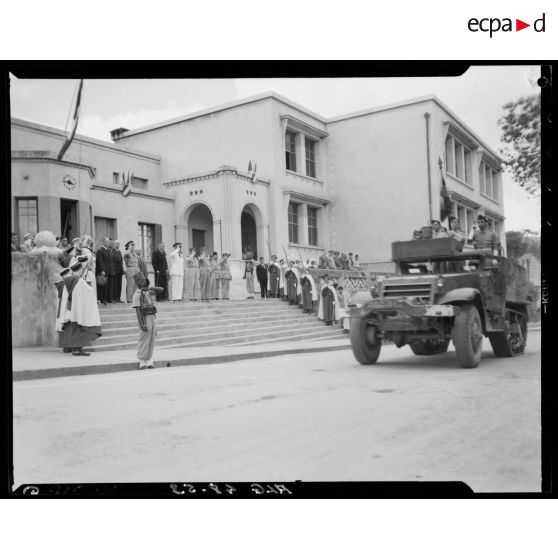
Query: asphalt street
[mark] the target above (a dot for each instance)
(313, 417)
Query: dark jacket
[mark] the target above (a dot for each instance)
(159, 262)
(117, 261)
(104, 262)
(261, 273)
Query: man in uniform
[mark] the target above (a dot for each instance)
(261, 274)
(214, 276)
(142, 263)
(225, 273)
(274, 277)
(176, 272)
(161, 269)
(249, 269)
(483, 237)
(191, 276)
(205, 269)
(118, 263)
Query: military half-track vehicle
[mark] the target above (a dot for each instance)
(442, 292)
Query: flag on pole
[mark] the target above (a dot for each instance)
(72, 133)
(445, 200)
(127, 182)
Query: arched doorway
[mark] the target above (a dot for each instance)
(200, 228)
(248, 232)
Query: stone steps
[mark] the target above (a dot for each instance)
(193, 323)
(229, 323)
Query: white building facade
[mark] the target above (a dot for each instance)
(261, 172)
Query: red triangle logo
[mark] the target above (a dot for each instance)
(519, 25)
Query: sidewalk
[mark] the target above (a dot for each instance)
(39, 362)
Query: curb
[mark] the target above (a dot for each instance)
(40, 374)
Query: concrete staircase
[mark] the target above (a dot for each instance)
(228, 322)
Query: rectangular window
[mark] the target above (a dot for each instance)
(458, 160)
(290, 151)
(450, 159)
(293, 223)
(146, 236)
(488, 181)
(140, 183)
(468, 166)
(482, 182)
(313, 226)
(27, 217)
(494, 185)
(310, 157)
(116, 178)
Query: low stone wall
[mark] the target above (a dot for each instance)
(34, 300)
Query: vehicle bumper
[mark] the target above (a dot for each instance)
(385, 307)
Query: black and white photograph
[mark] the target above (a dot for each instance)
(272, 280)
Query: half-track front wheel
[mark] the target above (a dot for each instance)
(365, 342)
(467, 336)
(429, 347)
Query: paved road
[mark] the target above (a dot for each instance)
(318, 417)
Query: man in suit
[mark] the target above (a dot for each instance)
(118, 264)
(261, 274)
(161, 269)
(103, 267)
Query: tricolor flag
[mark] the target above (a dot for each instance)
(127, 182)
(445, 200)
(74, 124)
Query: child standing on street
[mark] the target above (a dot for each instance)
(143, 301)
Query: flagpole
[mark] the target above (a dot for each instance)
(70, 138)
(427, 121)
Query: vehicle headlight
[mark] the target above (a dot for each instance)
(440, 282)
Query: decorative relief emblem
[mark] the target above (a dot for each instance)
(69, 182)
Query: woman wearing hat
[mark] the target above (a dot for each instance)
(176, 272)
(132, 267)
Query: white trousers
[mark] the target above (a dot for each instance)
(177, 284)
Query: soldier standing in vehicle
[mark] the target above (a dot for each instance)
(483, 238)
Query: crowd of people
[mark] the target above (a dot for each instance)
(292, 282)
(480, 237)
